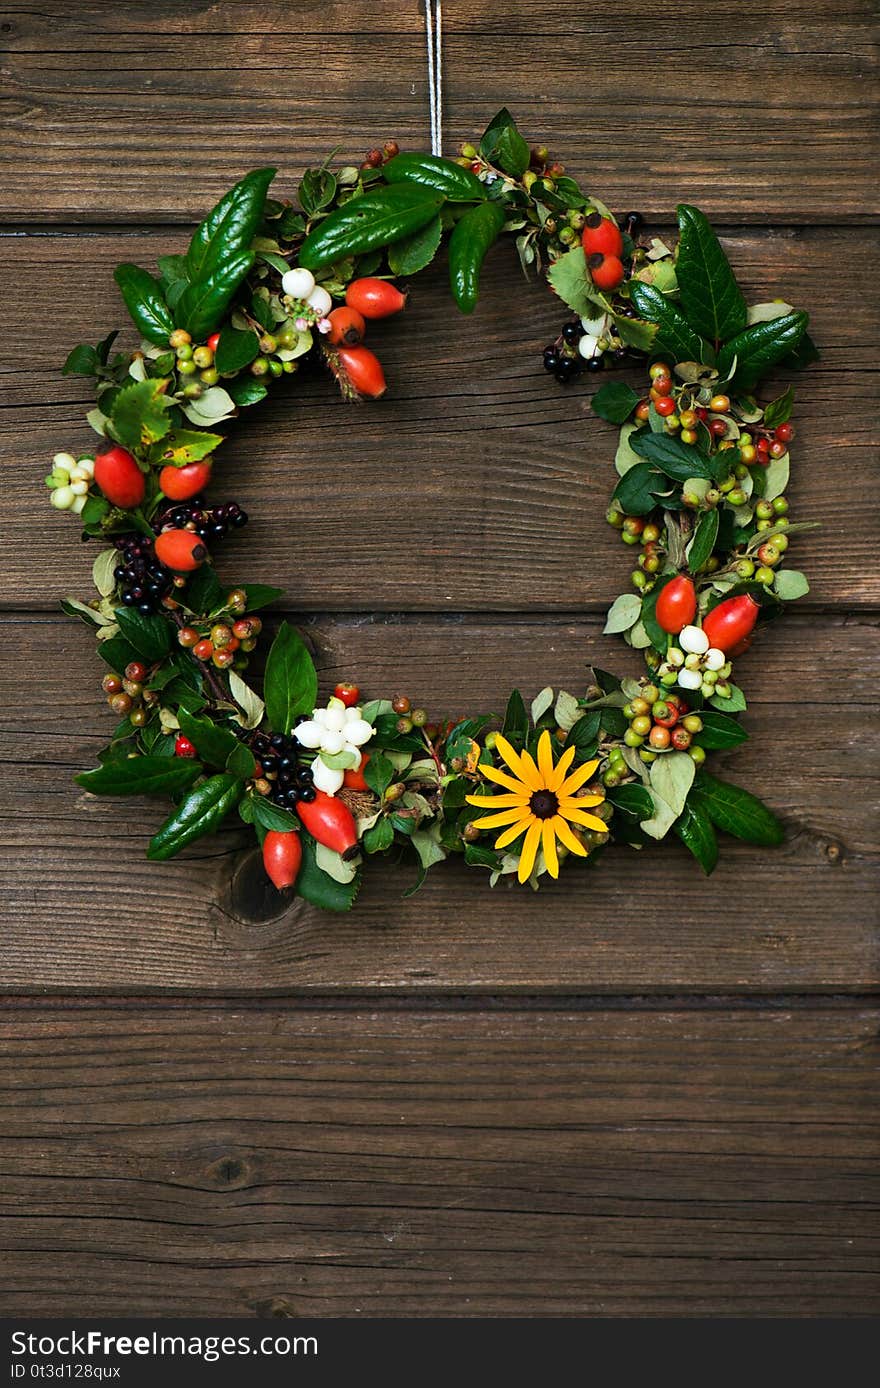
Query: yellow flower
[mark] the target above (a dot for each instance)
(540, 802)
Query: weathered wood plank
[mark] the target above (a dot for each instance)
(104, 112)
(179, 1161)
(501, 478)
(807, 921)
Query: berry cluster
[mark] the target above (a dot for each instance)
(280, 776)
(659, 722)
(142, 581)
(209, 523)
(127, 696)
(224, 643)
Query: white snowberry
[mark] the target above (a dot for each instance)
(587, 345)
(64, 462)
(320, 301)
(332, 742)
(62, 498)
(694, 640)
(714, 659)
(325, 778)
(298, 283)
(308, 734)
(358, 731)
(335, 719)
(690, 679)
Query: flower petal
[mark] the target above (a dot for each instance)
(545, 758)
(586, 821)
(581, 802)
(514, 831)
(530, 773)
(548, 843)
(577, 778)
(529, 851)
(495, 821)
(561, 767)
(564, 834)
(498, 802)
(509, 754)
(501, 778)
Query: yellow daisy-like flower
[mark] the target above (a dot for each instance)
(540, 801)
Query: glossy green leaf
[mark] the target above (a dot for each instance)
(82, 361)
(443, 175)
(241, 762)
(182, 446)
(141, 776)
(377, 218)
(230, 226)
(260, 595)
(501, 121)
(271, 816)
(246, 390)
(720, 730)
(516, 721)
(759, 348)
(145, 303)
(633, 799)
(203, 303)
(290, 685)
(317, 887)
(736, 811)
(472, 236)
(710, 296)
(694, 828)
(316, 191)
(213, 743)
(674, 333)
(379, 773)
(139, 417)
(512, 154)
(636, 492)
(791, 584)
(150, 636)
(202, 812)
(614, 402)
(204, 592)
(779, 410)
(412, 254)
(676, 459)
(236, 349)
(118, 653)
(701, 544)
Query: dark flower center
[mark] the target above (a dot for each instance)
(544, 804)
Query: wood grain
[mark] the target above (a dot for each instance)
(166, 1162)
(808, 922)
(499, 477)
(753, 108)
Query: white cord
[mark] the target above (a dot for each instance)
(434, 42)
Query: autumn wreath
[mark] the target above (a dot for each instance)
(269, 289)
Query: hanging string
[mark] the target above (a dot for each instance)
(434, 42)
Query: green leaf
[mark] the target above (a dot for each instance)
(212, 406)
(229, 227)
(500, 122)
(511, 152)
(103, 571)
(140, 415)
(625, 457)
(710, 296)
(676, 459)
(315, 886)
(150, 636)
(472, 236)
(776, 475)
(540, 704)
(200, 813)
(635, 332)
(247, 390)
(236, 349)
(583, 734)
(516, 721)
(720, 730)
(694, 828)
(623, 613)
(636, 491)
(443, 175)
(213, 743)
(379, 773)
(145, 303)
(736, 703)
(251, 704)
(202, 304)
(290, 686)
(82, 361)
(779, 410)
(760, 347)
(378, 218)
(803, 354)
(172, 268)
(568, 277)
(317, 190)
(412, 254)
(671, 778)
(260, 595)
(117, 652)
(241, 762)
(699, 548)
(271, 816)
(379, 836)
(674, 332)
(791, 584)
(614, 402)
(736, 811)
(141, 776)
(182, 446)
(633, 799)
(204, 592)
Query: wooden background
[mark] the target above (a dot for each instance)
(639, 1094)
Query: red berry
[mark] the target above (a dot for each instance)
(282, 856)
(180, 550)
(606, 271)
(601, 236)
(364, 370)
(183, 747)
(676, 604)
(784, 433)
(203, 650)
(213, 340)
(348, 694)
(180, 483)
(120, 478)
(731, 621)
(717, 428)
(136, 671)
(374, 298)
(777, 449)
(665, 405)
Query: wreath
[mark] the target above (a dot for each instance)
(269, 289)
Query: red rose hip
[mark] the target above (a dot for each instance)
(120, 478)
